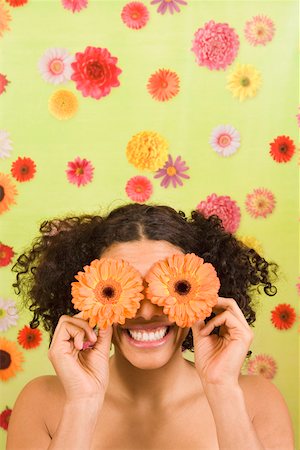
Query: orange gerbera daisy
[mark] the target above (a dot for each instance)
(10, 359)
(5, 18)
(108, 291)
(7, 192)
(185, 286)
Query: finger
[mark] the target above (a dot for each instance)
(64, 331)
(233, 325)
(229, 304)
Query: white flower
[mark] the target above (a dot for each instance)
(55, 65)
(5, 144)
(8, 314)
(225, 140)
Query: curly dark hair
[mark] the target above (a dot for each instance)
(46, 270)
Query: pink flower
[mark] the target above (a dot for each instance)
(298, 286)
(55, 65)
(95, 72)
(263, 365)
(170, 5)
(163, 85)
(3, 83)
(215, 45)
(80, 171)
(74, 5)
(260, 203)
(225, 208)
(172, 172)
(298, 117)
(139, 188)
(259, 30)
(135, 15)
(225, 140)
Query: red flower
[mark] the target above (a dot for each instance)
(3, 83)
(163, 85)
(95, 72)
(282, 149)
(6, 254)
(283, 316)
(23, 169)
(17, 2)
(4, 418)
(29, 337)
(135, 15)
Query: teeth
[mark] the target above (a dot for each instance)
(144, 336)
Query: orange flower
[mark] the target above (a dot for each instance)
(7, 192)
(185, 286)
(108, 291)
(29, 337)
(10, 359)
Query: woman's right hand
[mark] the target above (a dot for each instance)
(83, 373)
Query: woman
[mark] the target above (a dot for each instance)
(146, 396)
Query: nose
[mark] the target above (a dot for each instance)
(148, 310)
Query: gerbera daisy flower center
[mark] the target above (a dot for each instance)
(245, 81)
(94, 70)
(171, 171)
(260, 30)
(2, 193)
(283, 148)
(5, 359)
(224, 140)
(135, 15)
(79, 171)
(2, 254)
(107, 292)
(56, 66)
(24, 169)
(182, 287)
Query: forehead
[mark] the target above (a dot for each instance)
(141, 254)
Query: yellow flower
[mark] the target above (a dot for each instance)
(244, 82)
(185, 286)
(108, 291)
(11, 359)
(251, 242)
(147, 150)
(63, 104)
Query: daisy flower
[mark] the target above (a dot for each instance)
(63, 104)
(147, 150)
(95, 72)
(260, 203)
(6, 255)
(223, 207)
(29, 338)
(8, 314)
(55, 65)
(259, 30)
(215, 45)
(172, 171)
(80, 171)
(8, 192)
(185, 286)
(282, 149)
(163, 85)
(3, 83)
(252, 242)
(108, 291)
(263, 365)
(139, 189)
(168, 5)
(283, 316)
(4, 418)
(23, 169)
(5, 144)
(244, 82)
(16, 3)
(5, 18)
(74, 5)
(135, 15)
(10, 359)
(225, 140)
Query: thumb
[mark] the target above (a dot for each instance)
(197, 327)
(104, 339)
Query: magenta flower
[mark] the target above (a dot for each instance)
(170, 5)
(264, 365)
(74, 5)
(80, 171)
(223, 207)
(172, 171)
(139, 188)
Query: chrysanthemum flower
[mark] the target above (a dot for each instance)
(55, 65)
(74, 5)
(252, 242)
(108, 291)
(63, 104)
(16, 3)
(5, 18)
(215, 45)
(4, 418)
(225, 140)
(29, 337)
(172, 171)
(223, 207)
(185, 286)
(163, 85)
(244, 82)
(139, 189)
(260, 203)
(168, 5)
(23, 169)
(8, 192)
(6, 255)
(135, 15)
(80, 171)
(8, 314)
(259, 30)
(95, 72)
(282, 149)
(3, 83)
(10, 359)
(263, 365)
(5, 144)
(147, 150)
(283, 316)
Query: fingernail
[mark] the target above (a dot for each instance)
(87, 344)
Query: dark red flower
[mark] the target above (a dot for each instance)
(17, 2)
(282, 149)
(23, 169)
(3, 83)
(283, 316)
(4, 418)
(29, 337)
(6, 255)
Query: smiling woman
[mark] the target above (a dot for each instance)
(139, 247)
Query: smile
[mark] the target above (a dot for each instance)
(142, 338)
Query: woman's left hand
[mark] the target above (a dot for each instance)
(219, 359)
